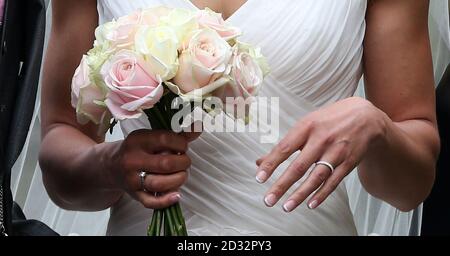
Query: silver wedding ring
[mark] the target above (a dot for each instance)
(325, 163)
(142, 176)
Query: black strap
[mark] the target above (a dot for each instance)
(23, 227)
(21, 45)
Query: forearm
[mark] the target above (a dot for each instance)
(400, 166)
(75, 170)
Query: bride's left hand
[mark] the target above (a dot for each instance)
(339, 134)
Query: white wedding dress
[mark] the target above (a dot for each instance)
(314, 49)
(222, 197)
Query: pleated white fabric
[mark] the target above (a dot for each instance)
(440, 36)
(370, 215)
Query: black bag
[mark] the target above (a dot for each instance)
(22, 41)
(436, 221)
(23, 227)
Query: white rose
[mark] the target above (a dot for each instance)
(159, 46)
(95, 59)
(183, 22)
(87, 97)
(104, 32)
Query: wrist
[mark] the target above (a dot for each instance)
(379, 123)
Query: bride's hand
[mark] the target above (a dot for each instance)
(146, 150)
(194, 134)
(191, 136)
(339, 134)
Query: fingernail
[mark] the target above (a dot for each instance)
(270, 200)
(313, 205)
(289, 206)
(175, 198)
(261, 176)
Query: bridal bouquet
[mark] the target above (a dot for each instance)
(144, 62)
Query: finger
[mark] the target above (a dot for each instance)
(291, 143)
(259, 161)
(191, 136)
(317, 177)
(163, 201)
(194, 132)
(158, 164)
(294, 172)
(330, 185)
(159, 141)
(164, 183)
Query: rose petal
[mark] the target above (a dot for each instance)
(145, 102)
(114, 106)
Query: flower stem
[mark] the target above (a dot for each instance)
(176, 211)
(158, 224)
(151, 227)
(170, 222)
(171, 218)
(176, 220)
(166, 226)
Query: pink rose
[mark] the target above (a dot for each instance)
(205, 60)
(247, 75)
(247, 78)
(87, 97)
(122, 35)
(132, 86)
(119, 34)
(210, 19)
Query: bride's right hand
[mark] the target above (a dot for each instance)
(145, 150)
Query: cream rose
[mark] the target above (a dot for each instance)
(132, 86)
(159, 46)
(87, 97)
(95, 59)
(152, 16)
(183, 22)
(103, 33)
(205, 60)
(210, 19)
